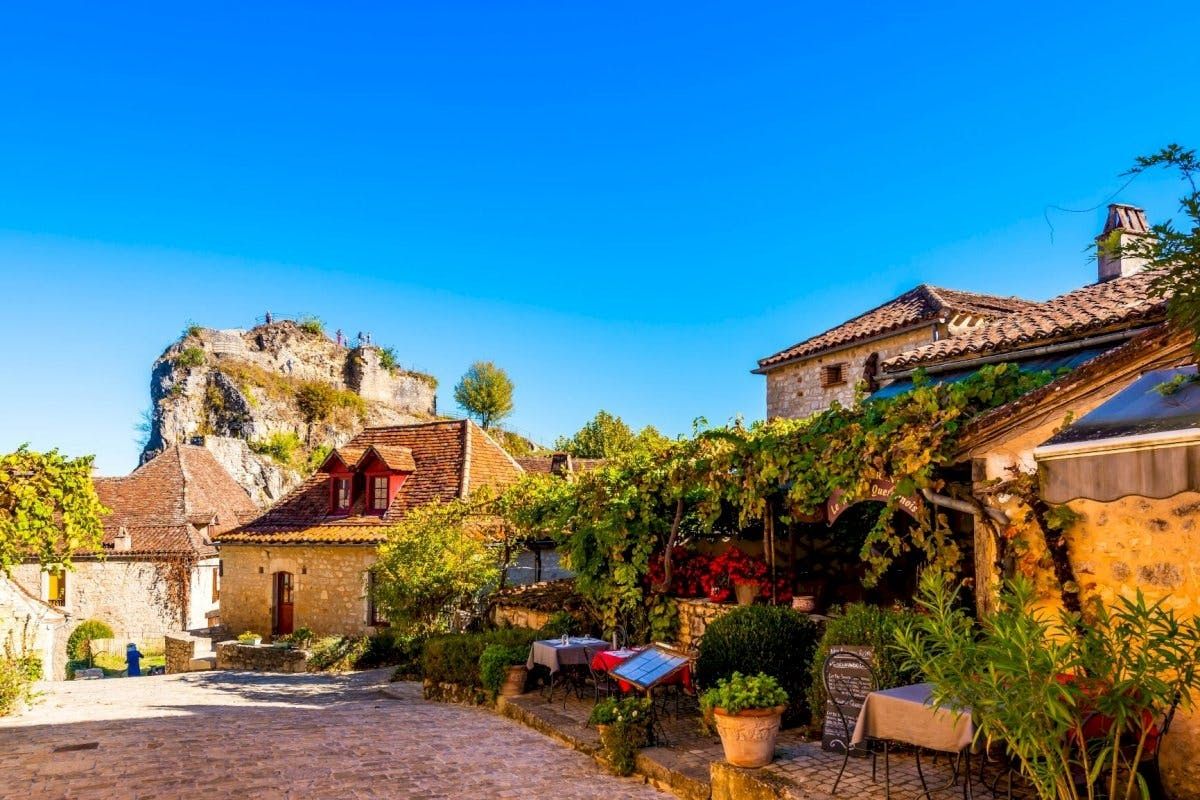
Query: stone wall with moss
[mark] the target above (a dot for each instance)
(329, 585)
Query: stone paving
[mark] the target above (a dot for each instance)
(253, 735)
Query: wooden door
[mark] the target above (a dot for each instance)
(283, 603)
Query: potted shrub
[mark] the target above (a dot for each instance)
(250, 638)
(624, 728)
(745, 573)
(502, 669)
(747, 712)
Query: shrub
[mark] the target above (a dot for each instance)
(192, 330)
(387, 359)
(495, 661)
(865, 625)
(312, 325)
(393, 648)
(317, 401)
(560, 622)
(79, 643)
(190, 357)
(302, 637)
(770, 639)
(18, 673)
(741, 693)
(282, 447)
(454, 657)
(337, 653)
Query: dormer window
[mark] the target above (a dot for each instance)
(379, 493)
(341, 495)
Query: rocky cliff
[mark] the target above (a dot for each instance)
(270, 401)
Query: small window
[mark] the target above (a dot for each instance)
(379, 493)
(341, 494)
(833, 375)
(375, 616)
(56, 588)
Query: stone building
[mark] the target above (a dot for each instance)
(808, 377)
(306, 561)
(157, 570)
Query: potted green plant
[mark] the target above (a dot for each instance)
(250, 638)
(624, 728)
(747, 712)
(502, 669)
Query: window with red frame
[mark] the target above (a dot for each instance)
(379, 493)
(341, 494)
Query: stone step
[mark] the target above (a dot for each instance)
(202, 663)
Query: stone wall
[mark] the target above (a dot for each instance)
(329, 587)
(180, 649)
(795, 390)
(695, 615)
(519, 617)
(130, 596)
(260, 658)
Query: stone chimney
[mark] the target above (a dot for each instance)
(1123, 227)
(122, 542)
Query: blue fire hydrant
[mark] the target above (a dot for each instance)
(133, 660)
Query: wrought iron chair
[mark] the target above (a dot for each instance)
(603, 684)
(847, 694)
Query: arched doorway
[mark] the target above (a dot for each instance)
(283, 622)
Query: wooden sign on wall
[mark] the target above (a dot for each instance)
(880, 490)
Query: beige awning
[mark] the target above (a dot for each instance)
(1144, 441)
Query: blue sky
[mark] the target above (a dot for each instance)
(624, 204)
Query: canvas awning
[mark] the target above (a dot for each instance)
(1144, 440)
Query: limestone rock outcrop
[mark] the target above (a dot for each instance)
(269, 400)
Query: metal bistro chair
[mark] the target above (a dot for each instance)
(847, 692)
(603, 683)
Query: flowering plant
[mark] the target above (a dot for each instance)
(626, 723)
(738, 567)
(689, 572)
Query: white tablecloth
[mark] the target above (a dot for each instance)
(906, 714)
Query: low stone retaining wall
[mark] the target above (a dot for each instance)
(180, 649)
(695, 615)
(260, 658)
(455, 693)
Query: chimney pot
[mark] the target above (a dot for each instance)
(122, 542)
(1123, 226)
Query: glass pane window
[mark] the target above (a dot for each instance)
(379, 493)
(341, 494)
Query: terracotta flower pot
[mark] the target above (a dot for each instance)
(514, 681)
(804, 603)
(746, 592)
(748, 737)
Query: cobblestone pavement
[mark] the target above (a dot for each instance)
(250, 735)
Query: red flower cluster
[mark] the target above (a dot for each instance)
(740, 567)
(689, 572)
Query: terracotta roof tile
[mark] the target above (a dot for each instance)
(1113, 305)
(162, 502)
(545, 464)
(921, 304)
(393, 456)
(442, 452)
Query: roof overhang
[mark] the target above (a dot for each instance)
(922, 323)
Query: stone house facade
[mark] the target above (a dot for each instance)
(157, 570)
(808, 377)
(306, 561)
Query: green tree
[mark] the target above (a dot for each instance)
(48, 508)
(606, 436)
(1173, 251)
(485, 392)
(435, 561)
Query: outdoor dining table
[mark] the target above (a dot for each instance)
(554, 654)
(907, 715)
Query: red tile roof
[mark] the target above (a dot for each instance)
(922, 304)
(547, 464)
(163, 502)
(451, 458)
(1114, 305)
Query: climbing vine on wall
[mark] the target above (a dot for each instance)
(611, 521)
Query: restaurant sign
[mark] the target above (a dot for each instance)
(880, 490)
(849, 679)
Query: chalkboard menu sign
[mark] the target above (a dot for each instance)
(850, 680)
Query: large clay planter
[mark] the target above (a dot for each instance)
(749, 736)
(514, 681)
(746, 592)
(804, 603)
